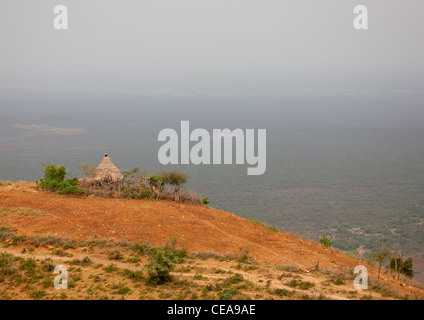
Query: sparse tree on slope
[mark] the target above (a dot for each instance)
(380, 257)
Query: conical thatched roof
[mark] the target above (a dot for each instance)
(107, 171)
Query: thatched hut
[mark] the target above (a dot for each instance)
(107, 171)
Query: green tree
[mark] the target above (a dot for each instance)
(155, 181)
(175, 179)
(380, 257)
(400, 266)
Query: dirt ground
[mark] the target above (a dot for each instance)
(197, 228)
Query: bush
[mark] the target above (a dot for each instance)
(145, 194)
(111, 268)
(205, 201)
(155, 181)
(133, 275)
(47, 265)
(303, 285)
(6, 264)
(326, 242)
(228, 294)
(237, 278)
(84, 262)
(123, 290)
(38, 294)
(115, 255)
(402, 266)
(244, 258)
(162, 261)
(141, 248)
(129, 193)
(281, 292)
(69, 186)
(54, 172)
(54, 180)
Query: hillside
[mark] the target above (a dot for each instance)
(105, 230)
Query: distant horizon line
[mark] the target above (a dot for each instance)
(283, 91)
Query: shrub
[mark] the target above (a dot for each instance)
(339, 281)
(54, 172)
(60, 253)
(141, 248)
(133, 275)
(228, 294)
(161, 264)
(326, 242)
(155, 181)
(69, 186)
(244, 258)
(124, 290)
(272, 228)
(54, 180)
(189, 197)
(234, 279)
(385, 291)
(5, 232)
(145, 194)
(401, 266)
(213, 255)
(111, 268)
(303, 285)
(162, 261)
(18, 239)
(47, 265)
(28, 264)
(47, 283)
(38, 294)
(129, 193)
(115, 255)
(84, 262)
(205, 201)
(6, 264)
(69, 244)
(281, 292)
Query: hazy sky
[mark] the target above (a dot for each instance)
(207, 43)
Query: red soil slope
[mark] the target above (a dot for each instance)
(198, 228)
